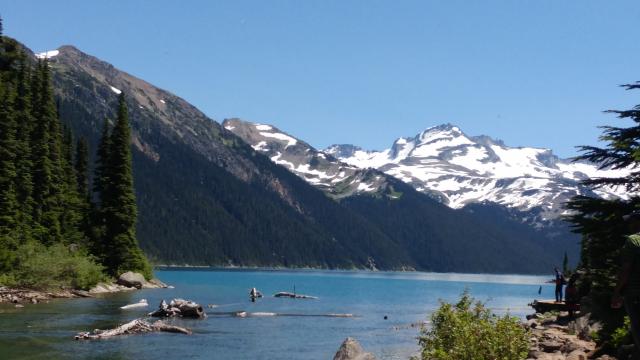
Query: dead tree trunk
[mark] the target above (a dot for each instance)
(136, 326)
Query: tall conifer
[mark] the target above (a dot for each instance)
(119, 204)
(8, 204)
(102, 159)
(81, 166)
(47, 174)
(24, 164)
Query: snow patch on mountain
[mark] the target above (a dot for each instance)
(47, 54)
(323, 171)
(462, 169)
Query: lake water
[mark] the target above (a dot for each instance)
(45, 331)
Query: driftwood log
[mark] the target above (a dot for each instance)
(136, 326)
(179, 307)
(293, 296)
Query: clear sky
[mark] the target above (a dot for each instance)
(529, 72)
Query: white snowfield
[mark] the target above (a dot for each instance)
(301, 159)
(476, 169)
(443, 160)
(47, 54)
(115, 90)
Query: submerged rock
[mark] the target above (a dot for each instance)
(351, 350)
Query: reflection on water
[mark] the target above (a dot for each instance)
(45, 331)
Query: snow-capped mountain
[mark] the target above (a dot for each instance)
(324, 171)
(461, 169)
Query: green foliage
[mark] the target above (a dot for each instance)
(622, 335)
(118, 201)
(56, 266)
(468, 330)
(601, 221)
(45, 203)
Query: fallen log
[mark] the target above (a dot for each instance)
(179, 307)
(293, 296)
(136, 326)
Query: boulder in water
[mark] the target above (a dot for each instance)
(181, 308)
(351, 350)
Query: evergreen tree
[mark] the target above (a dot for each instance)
(81, 166)
(119, 205)
(565, 264)
(8, 203)
(601, 221)
(81, 172)
(48, 174)
(39, 186)
(24, 165)
(102, 158)
(73, 210)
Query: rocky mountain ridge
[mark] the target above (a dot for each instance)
(460, 169)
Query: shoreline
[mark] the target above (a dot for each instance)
(20, 296)
(562, 337)
(346, 270)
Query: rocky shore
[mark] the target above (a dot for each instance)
(558, 337)
(128, 281)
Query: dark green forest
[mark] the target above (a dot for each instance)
(52, 232)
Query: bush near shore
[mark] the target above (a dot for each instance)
(469, 330)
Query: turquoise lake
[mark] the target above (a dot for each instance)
(45, 331)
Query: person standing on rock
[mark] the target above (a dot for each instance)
(559, 282)
(627, 290)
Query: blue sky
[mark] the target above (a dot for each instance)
(532, 73)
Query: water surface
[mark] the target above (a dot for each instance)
(45, 331)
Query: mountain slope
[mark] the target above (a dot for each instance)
(459, 170)
(440, 237)
(323, 171)
(207, 197)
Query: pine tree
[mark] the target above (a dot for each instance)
(81, 171)
(74, 206)
(47, 174)
(601, 221)
(100, 179)
(119, 204)
(81, 166)
(8, 203)
(565, 264)
(24, 165)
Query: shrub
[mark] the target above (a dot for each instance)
(621, 335)
(41, 267)
(468, 330)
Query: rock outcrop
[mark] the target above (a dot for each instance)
(136, 280)
(554, 338)
(351, 350)
(181, 308)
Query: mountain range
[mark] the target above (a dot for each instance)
(243, 194)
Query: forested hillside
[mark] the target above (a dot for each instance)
(205, 197)
(52, 233)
